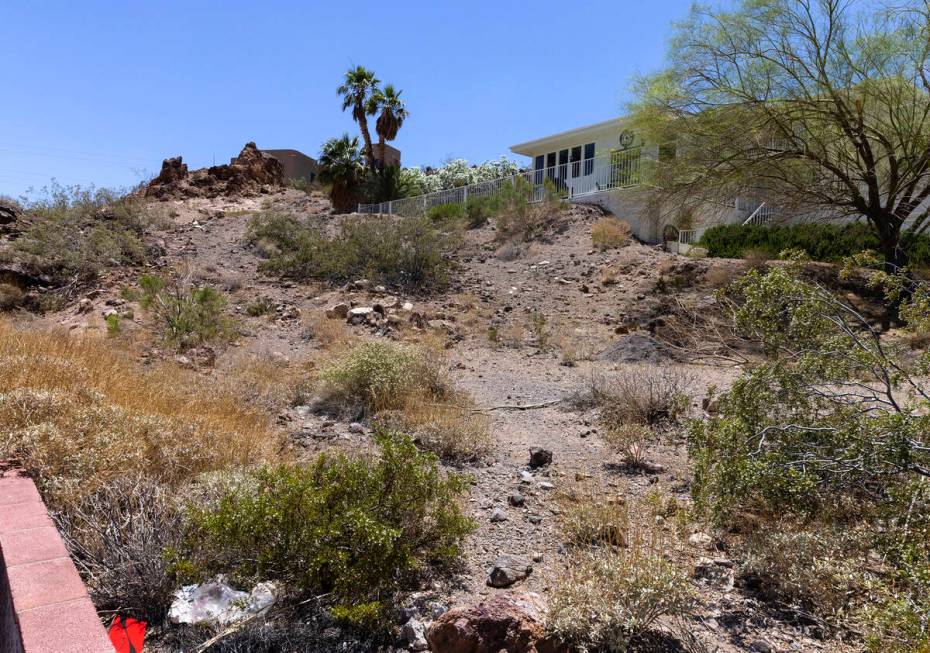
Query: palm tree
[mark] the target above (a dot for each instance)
(341, 166)
(356, 90)
(392, 116)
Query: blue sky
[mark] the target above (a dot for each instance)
(100, 92)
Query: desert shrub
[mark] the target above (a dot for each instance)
(405, 388)
(820, 241)
(376, 376)
(117, 537)
(479, 210)
(755, 258)
(73, 233)
(261, 306)
(356, 527)
(629, 440)
(640, 395)
(592, 516)
(189, 315)
(611, 595)
(409, 252)
(610, 233)
(831, 429)
(446, 212)
(77, 414)
(524, 212)
(10, 297)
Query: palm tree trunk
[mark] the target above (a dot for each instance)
(366, 135)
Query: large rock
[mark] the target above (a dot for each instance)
(252, 170)
(540, 457)
(509, 621)
(508, 569)
(7, 212)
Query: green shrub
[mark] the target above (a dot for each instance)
(261, 306)
(820, 241)
(446, 212)
(357, 527)
(189, 315)
(409, 252)
(834, 430)
(72, 234)
(376, 376)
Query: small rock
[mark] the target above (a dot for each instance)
(540, 457)
(498, 515)
(357, 427)
(415, 633)
(546, 485)
(516, 500)
(338, 311)
(507, 570)
(526, 477)
(359, 314)
(702, 540)
(717, 572)
(537, 557)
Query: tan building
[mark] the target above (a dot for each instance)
(391, 155)
(297, 165)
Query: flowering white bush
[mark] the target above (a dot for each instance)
(456, 173)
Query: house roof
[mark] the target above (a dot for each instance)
(530, 147)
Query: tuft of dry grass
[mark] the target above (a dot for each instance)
(265, 382)
(610, 233)
(629, 440)
(79, 413)
(450, 429)
(592, 516)
(10, 296)
(643, 394)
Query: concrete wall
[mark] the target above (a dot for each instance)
(297, 165)
(630, 205)
(44, 607)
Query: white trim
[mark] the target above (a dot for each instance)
(528, 148)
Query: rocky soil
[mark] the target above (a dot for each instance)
(524, 328)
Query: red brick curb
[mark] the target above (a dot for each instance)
(44, 606)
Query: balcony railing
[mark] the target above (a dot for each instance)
(568, 180)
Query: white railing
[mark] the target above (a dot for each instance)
(572, 179)
(761, 215)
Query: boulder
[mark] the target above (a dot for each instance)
(252, 170)
(509, 621)
(8, 213)
(540, 457)
(507, 570)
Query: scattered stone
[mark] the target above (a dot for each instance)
(509, 621)
(279, 358)
(498, 515)
(338, 311)
(636, 348)
(507, 570)
(537, 557)
(516, 500)
(357, 428)
(539, 457)
(546, 485)
(717, 572)
(702, 540)
(359, 314)
(526, 477)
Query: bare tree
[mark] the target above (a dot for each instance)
(819, 107)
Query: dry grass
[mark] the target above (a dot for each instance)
(610, 233)
(263, 381)
(450, 429)
(593, 516)
(642, 394)
(629, 440)
(10, 296)
(330, 334)
(79, 413)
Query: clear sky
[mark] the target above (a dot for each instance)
(100, 92)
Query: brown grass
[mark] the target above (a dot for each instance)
(79, 413)
(590, 515)
(610, 233)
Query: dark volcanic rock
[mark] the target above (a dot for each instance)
(508, 569)
(251, 171)
(540, 457)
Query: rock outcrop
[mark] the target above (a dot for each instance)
(253, 171)
(509, 621)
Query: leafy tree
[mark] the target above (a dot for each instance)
(357, 89)
(341, 166)
(821, 108)
(391, 117)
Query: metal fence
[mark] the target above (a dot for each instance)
(572, 179)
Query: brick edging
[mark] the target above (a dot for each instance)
(44, 606)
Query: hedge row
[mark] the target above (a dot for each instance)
(822, 242)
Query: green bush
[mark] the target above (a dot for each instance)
(376, 376)
(356, 527)
(189, 315)
(820, 241)
(73, 233)
(409, 252)
(832, 431)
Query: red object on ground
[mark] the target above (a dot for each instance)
(127, 634)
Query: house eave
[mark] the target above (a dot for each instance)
(530, 147)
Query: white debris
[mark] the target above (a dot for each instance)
(216, 601)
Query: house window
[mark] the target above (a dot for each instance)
(589, 158)
(550, 165)
(576, 161)
(563, 164)
(538, 164)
